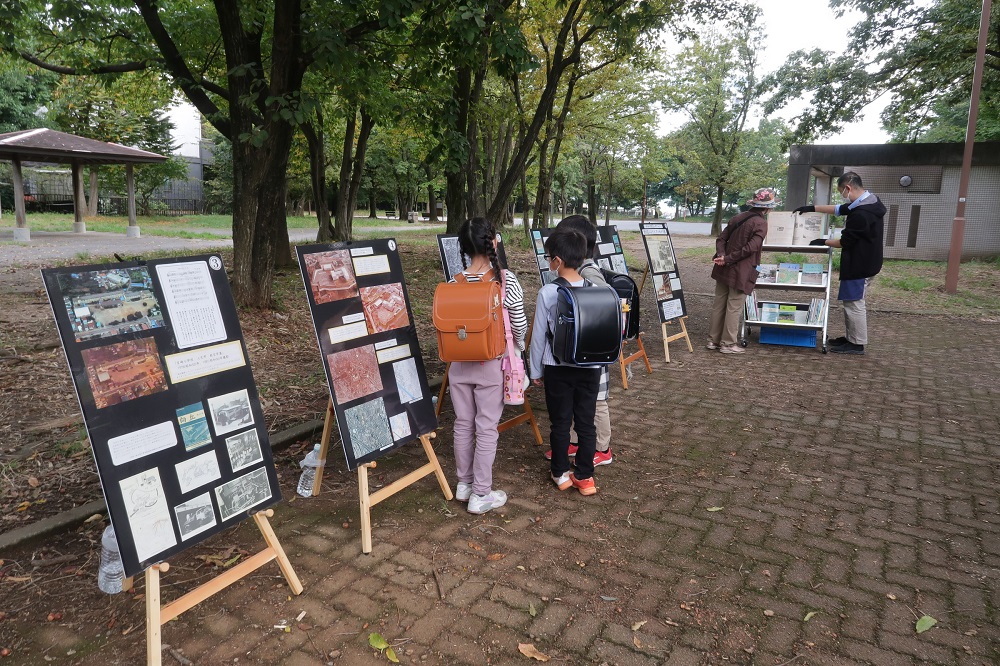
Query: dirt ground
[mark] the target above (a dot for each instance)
(48, 594)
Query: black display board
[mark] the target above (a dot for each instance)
(607, 253)
(451, 254)
(663, 269)
(368, 342)
(168, 399)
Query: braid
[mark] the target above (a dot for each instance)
(491, 252)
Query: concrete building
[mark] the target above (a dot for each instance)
(918, 183)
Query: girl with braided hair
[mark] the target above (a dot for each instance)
(477, 386)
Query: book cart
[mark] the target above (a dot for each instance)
(753, 312)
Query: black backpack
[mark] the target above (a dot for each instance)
(627, 290)
(588, 326)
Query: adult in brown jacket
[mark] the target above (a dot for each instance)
(737, 255)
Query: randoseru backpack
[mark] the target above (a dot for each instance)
(627, 290)
(468, 317)
(588, 326)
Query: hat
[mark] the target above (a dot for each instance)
(765, 197)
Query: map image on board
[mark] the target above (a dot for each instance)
(124, 371)
(112, 302)
(369, 427)
(331, 276)
(355, 373)
(385, 307)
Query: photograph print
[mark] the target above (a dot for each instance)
(331, 276)
(618, 264)
(243, 493)
(661, 284)
(124, 371)
(195, 516)
(354, 373)
(110, 302)
(244, 449)
(661, 254)
(451, 255)
(385, 307)
(368, 426)
(230, 411)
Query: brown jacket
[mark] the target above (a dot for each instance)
(740, 246)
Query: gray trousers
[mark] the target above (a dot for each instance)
(856, 318)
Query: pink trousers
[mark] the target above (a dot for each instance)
(477, 394)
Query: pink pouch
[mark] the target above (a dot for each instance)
(514, 378)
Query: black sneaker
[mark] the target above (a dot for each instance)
(837, 341)
(848, 348)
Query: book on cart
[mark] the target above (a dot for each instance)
(769, 313)
(816, 306)
(766, 273)
(786, 314)
(788, 273)
(813, 274)
(752, 313)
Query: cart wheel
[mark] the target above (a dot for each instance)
(824, 349)
(743, 343)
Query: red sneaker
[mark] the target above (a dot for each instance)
(585, 486)
(602, 458)
(572, 452)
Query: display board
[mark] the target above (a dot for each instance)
(368, 342)
(607, 253)
(451, 254)
(168, 399)
(663, 267)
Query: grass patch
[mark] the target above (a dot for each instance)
(908, 283)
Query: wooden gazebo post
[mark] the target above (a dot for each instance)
(21, 230)
(79, 202)
(132, 230)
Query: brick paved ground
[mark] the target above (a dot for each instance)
(860, 492)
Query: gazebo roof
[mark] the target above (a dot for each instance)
(46, 145)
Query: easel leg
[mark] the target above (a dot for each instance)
(425, 440)
(666, 342)
(366, 508)
(687, 338)
(441, 393)
(645, 357)
(533, 422)
(154, 648)
(621, 365)
(324, 447)
(261, 518)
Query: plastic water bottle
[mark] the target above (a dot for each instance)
(309, 465)
(111, 573)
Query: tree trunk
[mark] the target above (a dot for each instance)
(316, 141)
(357, 170)
(717, 220)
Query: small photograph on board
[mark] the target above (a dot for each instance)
(604, 263)
(549, 276)
(451, 255)
(661, 254)
(112, 302)
(244, 449)
(194, 426)
(661, 283)
(195, 516)
(407, 380)
(196, 472)
(124, 371)
(242, 493)
(354, 373)
(539, 243)
(369, 427)
(543, 263)
(331, 276)
(230, 411)
(385, 307)
(618, 264)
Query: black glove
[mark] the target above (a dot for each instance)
(805, 209)
(818, 241)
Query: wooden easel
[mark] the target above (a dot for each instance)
(667, 339)
(527, 416)
(157, 616)
(624, 361)
(676, 336)
(368, 500)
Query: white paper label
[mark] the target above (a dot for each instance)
(371, 265)
(207, 361)
(134, 445)
(191, 302)
(340, 334)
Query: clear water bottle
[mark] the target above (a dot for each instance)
(309, 465)
(111, 573)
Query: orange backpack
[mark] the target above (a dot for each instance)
(468, 317)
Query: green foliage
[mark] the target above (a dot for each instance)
(920, 54)
(24, 90)
(913, 283)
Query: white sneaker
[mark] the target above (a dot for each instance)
(711, 346)
(732, 349)
(484, 503)
(562, 481)
(463, 491)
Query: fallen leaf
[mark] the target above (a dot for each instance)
(531, 610)
(53, 617)
(891, 596)
(769, 613)
(23, 506)
(377, 642)
(609, 598)
(635, 642)
(713, 509)
(33, 482)
(810, 615)
(475, 546)
(493, 557)
(390, 654)
(636, 626)
(94, 518)
(925, 623)
(528, 650)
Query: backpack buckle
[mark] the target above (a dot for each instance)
(462, 335)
